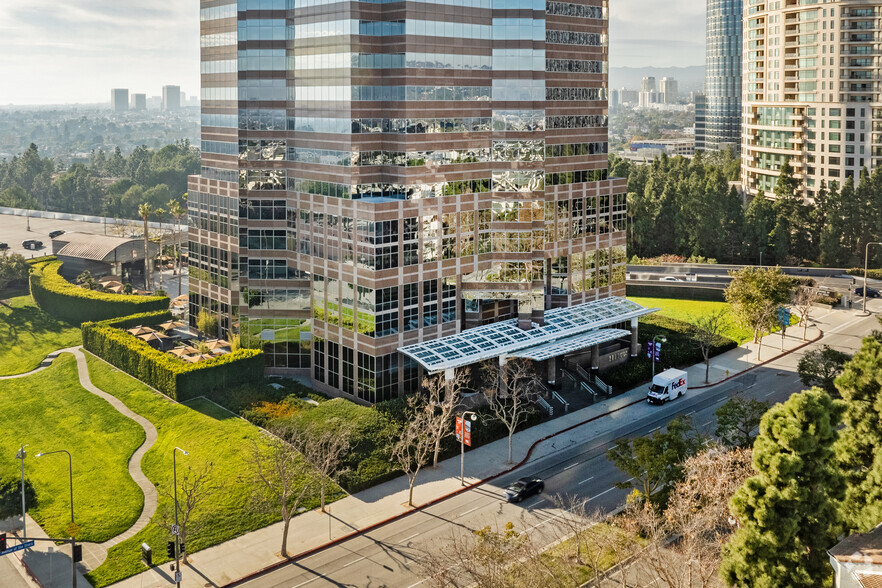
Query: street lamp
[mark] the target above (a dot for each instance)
(655, 341)
(866, 262)
(24, 530)
(177, 528)
(471, 416)
(73, 545)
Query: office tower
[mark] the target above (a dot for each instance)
(171, 98)
(614, 100)
(119, 100)
(700, 122)
(628, 96)
(669, 91)
(646, 99)
(813, 94)
(722, 84)
(378, 183)
(647, 84)
(139, 102)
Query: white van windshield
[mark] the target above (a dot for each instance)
(656, 388)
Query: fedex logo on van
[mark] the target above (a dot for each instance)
(678, 384)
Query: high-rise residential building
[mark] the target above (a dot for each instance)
(648, 84)
(395, 187)
(171, 98)
(700, 101)
(119, 100)
(722, 85)
(628, 96)
(668, 89)
(812, 93)
(139, 102)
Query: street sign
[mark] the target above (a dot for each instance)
(18, 547)
(784, 317)
(178, 577)
(650, 349)
(459, 429)
(175, 530)
(468, 433)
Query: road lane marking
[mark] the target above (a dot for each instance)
(655, 429)
(540, 501)
(307, 582)
(601, 494)
(585, 480)
(707, 423)
(571, 466)
(354, 562)
(690, 413)
(409, 538)
(462, 514)
(770, 393)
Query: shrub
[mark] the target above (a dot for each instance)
(873, 274)
(65, 301)
(168, 374)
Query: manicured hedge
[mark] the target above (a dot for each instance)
(76, 305)
(168, 374)
(874, 274)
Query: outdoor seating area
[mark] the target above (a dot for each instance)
(175, 338)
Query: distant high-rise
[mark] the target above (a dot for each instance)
(119, 99)
(722, 84)
(171, 98)
(700, 122)
(648, 84)
(813, 95)
(669, 90)
(139, 102)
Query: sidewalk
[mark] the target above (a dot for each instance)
(49, 563)
(230, 561)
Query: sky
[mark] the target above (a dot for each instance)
(76, 51)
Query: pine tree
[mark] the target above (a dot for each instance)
(860, 444)
(787, 512)
(759, 220)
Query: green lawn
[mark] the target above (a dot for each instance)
(689, 310)
(211, 435)
(28, 335)
(50, 411)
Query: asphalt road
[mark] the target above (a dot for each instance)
(390, 555)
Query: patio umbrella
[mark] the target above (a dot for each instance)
(115, 289)
(110, 283)
(216, 344)
(139, 330)
(168, 326)
(154, 336)
(182, 351)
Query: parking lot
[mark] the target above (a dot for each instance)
(14, 230)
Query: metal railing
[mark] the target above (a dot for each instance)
(607, 389)
(560, 399)
(544, 404)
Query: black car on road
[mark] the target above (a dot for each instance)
(32, 244)
(4, 246)
(54, 234)
(871, 293)
(524, 488)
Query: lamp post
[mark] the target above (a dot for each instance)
(655, 341)
(466, 417)
(866, 263)
(24, 530)
(73, 544)
(177, 528)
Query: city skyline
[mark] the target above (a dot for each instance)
(129, 46)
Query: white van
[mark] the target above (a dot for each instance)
(666, 386)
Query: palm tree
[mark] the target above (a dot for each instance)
(178, 212)
(160, 212)
(145, 210)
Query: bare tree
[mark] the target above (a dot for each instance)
(324, 450)
(512, 390)
(282, 475)
(762, 319)
(709, 330)
(195, 487)
(443, 396)
(412, 448)
(685, 540)
(803, 301)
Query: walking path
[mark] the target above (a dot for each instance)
(94, 554)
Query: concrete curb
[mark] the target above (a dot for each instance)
(518, 465)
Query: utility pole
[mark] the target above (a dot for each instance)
(24, 531)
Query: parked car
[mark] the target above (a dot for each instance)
(871, 293)
(32, 244)
(54, 234)
(4, 246)
(524, 488)
(670, 279)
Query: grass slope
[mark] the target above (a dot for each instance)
(50, 411)
(28, 335)
(211, 435)
(690, 310)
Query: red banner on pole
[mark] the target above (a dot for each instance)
(459, 430)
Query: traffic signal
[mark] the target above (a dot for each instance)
(2, 541)
(170, 549)
(182, 548)
(77, 553)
